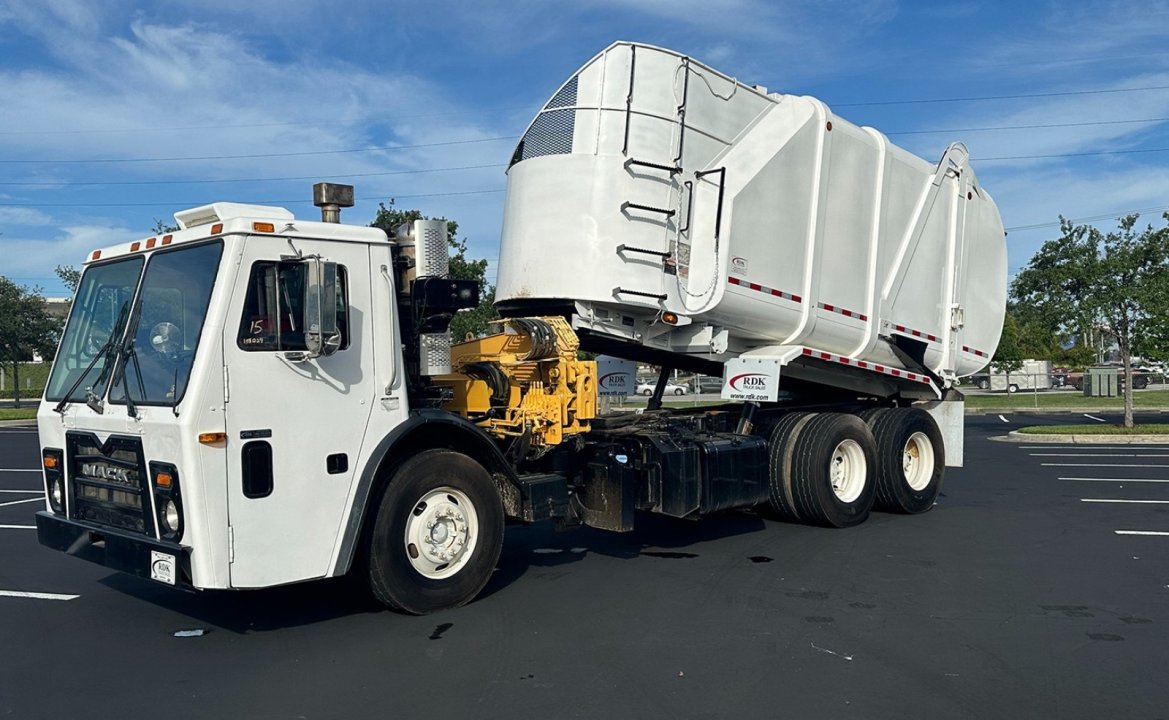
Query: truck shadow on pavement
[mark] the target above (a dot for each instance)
(525, 548)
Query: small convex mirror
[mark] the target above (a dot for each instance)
(320, 308)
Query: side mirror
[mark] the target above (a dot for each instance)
(321, 336)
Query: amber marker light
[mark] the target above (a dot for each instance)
(263, 227)
(51, 462)
(134, 246)
(216, 228)
(212, 438)
(167, 238)
(151, 242)
(163, 479)
(95, 255)
(670, 318)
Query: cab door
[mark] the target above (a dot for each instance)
(295, 426)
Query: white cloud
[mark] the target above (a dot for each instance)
(19, 216)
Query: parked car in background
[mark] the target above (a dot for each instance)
(707, 384)
(647, 388)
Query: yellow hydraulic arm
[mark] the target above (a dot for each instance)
(525, 383)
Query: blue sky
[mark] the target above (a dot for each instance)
(115, 113)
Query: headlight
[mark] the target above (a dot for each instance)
(168, 501)
(53, 462)
(170, 516)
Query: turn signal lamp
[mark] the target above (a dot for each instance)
(216, 228)
(212, 437)
(263, 227)
(163, 479)
(52, 462)
(95, 255)
(670, 318)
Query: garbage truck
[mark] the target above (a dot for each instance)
(258, 399)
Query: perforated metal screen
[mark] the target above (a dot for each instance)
(551, 132)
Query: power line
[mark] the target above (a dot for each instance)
(253, 180)
(1094, 218)
(1067, 155)
(176, 128)
(269, 155)
(1000, 97)
(296, 201)
(1028, 127)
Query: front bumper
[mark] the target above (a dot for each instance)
(152, 559)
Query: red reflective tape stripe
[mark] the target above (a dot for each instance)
(864, 318)
(895, 372)
(734, 281)
(807, 351)
(756, 286)
(797, 298)
(862, 364)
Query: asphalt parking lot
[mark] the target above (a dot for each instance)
(1038, 587)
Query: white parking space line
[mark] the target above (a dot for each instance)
(1156, 533)
(1126, 502)
(1101, 465)
(1093, 417)
(18, 502)
(1117, 480)
(37, 595)
(1133, 448)
(18, 527)
(1086, 455)
(1003, 419)
(22, 492)
(16, 470)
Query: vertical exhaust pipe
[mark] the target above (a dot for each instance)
(330, 198)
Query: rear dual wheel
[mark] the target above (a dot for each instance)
(911, 457)
(820, 468)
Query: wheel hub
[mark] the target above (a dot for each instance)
(848, 471)
(441, 532)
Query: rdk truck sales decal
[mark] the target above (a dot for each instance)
(752, 380)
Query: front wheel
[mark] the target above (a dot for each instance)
(984, 384)
(679, 391)
(437, 534)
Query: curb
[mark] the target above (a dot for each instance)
(1057, 411)
(1017, 437)
(31, 422)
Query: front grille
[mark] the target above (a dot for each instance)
(109, 482)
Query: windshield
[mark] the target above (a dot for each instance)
(165, 326)
(99, 312)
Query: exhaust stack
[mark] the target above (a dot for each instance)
(330, 198)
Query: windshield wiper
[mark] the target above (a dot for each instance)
(91, 398)
(126, 353)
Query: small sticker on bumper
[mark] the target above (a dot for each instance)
(162, 567)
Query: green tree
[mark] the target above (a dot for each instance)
(1116, 282)
(473, 322)
(69, 275)
(26, 327)
(162, 228)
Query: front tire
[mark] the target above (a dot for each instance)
(911, 460)
(833, 468)
(437, 534)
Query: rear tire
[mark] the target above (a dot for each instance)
(911, 460)
(437, 534)
(834, 461)
(780, 447)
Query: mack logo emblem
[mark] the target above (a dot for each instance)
(109, 472)
(749, 381)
